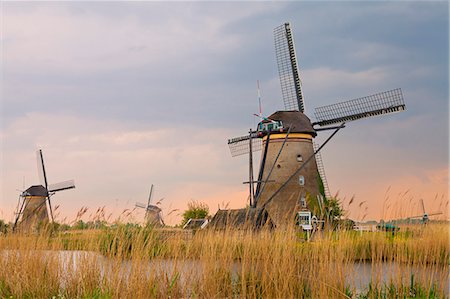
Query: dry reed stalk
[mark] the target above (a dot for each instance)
(145, 263)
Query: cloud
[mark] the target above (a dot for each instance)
(89, 42)
(78, 59)
(114, 162)
(88, 38)
(122, 95)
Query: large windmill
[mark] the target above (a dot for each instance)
(34, 204)
(289, 178)
(152, 212)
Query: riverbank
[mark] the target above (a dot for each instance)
(139, 262)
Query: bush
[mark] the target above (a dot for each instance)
(3, 227)
(196, 210)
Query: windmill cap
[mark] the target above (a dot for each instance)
(298, 121)
(153, 208)
(37, 190)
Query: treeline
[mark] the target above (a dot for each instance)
(6, 227)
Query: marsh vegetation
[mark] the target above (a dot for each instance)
(139, 262)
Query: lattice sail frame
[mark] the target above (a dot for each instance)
(291, 85)
(377, 104)
(321, 169)
(241, 145)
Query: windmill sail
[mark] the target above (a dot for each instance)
(141, 205)
(291, 85)
(61, 186)
(41, 168)
(381, 103)
(422, 205)
(150, 196)
(435, 214)
(321, 170)
(241, 145)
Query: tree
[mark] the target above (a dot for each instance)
(195, 210)
(80, 224)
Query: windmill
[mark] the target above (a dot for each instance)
(152, 212)
(289, 177)
(34, 204)
(425, 216)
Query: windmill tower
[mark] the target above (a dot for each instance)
(152, 212)
(34, 204)
(289, 178)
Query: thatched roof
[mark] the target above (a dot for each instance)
(247, 218)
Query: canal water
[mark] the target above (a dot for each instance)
(358, 275)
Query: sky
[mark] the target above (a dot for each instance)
(122, 95)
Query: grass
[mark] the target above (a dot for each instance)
(128, 261)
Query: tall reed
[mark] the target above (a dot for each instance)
(138, 262)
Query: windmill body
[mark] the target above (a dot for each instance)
(34, 208)
(153, 215)
(289, 179)
(298, 146)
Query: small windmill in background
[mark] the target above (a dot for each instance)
(425, 216)
(152, 212)
(34, 204)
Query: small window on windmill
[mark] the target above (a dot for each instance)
(303, 202)
(299, 158)
(301, 180)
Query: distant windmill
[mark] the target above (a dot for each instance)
(425, 216)
(32, 207)
(291, 176)
(152, 212)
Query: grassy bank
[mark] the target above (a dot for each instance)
(269, 264)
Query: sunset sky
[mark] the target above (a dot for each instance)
(121, 95)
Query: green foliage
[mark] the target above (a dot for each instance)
(333, 209)
(80, 224)
(196, 210)
(5, 290)
(64, 227)
(346, 224)
(3, 227)
(390, 290)
(97, 224)
(321, 185)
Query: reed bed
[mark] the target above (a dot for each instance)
(134, 262)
